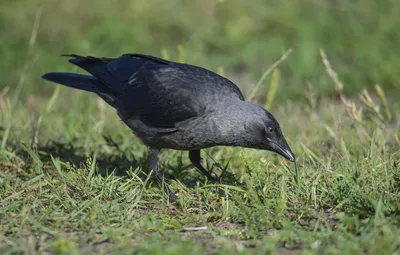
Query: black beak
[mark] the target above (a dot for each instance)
(283, 149)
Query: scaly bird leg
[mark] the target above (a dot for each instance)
(152, 164)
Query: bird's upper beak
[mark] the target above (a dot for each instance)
(282, 148)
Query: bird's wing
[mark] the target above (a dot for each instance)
(159, 92)
(176, 92)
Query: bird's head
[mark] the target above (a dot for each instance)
(275, 141)
(266, 134)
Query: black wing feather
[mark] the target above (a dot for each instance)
(158, 91)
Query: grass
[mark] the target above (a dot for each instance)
(72, 176)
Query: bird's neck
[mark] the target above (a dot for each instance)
(231, 124)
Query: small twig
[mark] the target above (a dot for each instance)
(333, 75)
(268, 72)
(194, 229)
(350, 106)
(297, 176)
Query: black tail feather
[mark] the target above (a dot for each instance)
(83, 82)
(77, 81)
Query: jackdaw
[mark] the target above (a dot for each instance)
(171, 105)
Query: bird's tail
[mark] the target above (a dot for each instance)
(83, 82)
(77, 81)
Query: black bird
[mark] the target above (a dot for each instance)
(176, 106)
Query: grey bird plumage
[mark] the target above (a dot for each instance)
(170, 105)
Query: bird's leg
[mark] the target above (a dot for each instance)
(152, 164)
(195, 158)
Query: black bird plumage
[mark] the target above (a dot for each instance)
(170, 105)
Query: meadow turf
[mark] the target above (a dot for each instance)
(73, 177)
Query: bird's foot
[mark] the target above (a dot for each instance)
(172, 198)
(221, 192)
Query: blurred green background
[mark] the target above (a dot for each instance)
(361, 39)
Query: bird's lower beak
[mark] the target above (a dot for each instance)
(284, 150)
